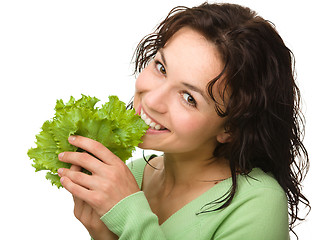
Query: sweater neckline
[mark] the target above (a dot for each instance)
(202, 200)
(212, 194)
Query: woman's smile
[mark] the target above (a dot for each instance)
(154, 126)
(150, 122)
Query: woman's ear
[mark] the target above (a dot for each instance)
(224, 137)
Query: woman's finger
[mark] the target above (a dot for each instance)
(75, 189)
(81, 159)
(82, 211)
(75, 168)
(78, 208)
(77, 177)
(94, 147)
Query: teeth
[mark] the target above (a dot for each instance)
(143, 116)
(149, 121)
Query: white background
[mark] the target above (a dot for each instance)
(54, 49)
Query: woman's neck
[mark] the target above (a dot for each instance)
(181, 169)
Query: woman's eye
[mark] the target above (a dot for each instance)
(189, 99)
(160, 68)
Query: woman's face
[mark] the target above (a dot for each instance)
(171, 96)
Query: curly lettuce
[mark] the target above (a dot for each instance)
(118, 129)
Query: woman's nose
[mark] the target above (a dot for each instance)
(156, 99)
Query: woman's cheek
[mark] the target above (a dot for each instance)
(184, 123)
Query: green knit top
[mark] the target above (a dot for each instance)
(258, 211)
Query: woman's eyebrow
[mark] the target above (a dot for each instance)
(193, 88)
(196, 89)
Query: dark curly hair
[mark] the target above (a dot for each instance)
(263, 107)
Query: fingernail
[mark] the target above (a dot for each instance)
(60, 171)
(71, 138)
(60, 156)
(62, 180)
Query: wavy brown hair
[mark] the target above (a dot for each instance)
(263, 107)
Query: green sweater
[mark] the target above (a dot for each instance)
(258, 212)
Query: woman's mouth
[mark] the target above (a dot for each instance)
(151, 123)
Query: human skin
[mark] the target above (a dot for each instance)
(170, 91)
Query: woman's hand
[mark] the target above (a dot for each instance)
(110, 182)
(90, 219)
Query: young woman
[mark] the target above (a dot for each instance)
(216, 87)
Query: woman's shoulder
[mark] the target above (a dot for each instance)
(256, 189)
(259, 203)
(260, 195)
(257, 179)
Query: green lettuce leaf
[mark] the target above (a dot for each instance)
(118, 129)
